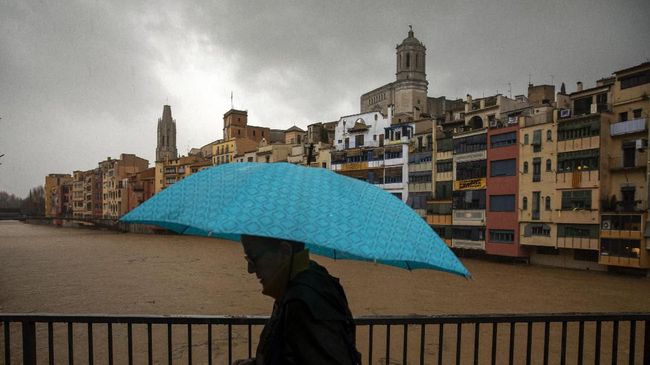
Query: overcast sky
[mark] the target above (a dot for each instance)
(84, 80)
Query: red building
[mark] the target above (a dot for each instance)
(502, 236)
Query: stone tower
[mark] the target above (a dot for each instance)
(166, 149)
(411, 80)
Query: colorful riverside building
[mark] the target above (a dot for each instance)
(624, 228)
(58, 195)
(114, 173)
(470, 196)
(536, 168)
(359, 150)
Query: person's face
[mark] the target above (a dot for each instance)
(263, 260)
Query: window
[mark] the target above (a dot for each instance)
(620, 248)
(582, 106)
(578, 129)
(537, 140)
(549, 135)
(437, 208)
(578, 160)
(525, 167)
(525, 139)
(468, 199)
(636, 113)
(504, 139)
(629, 153)
(502, 235)
(468, 233)
(547, 203)
(621, 223)
(471, 170)
(537, 169)
(503, 168)
(601, 102)
(323, 165)
(578, 230)
(358, 140)
(444, 166)
(576, 199)
(627, 193)
(443, 190)
(470, 144)
(635, 80)
(347, 143)
(502, 203)
(548, 165)
(540, 230)
(536, 205)
(524, 204)
(622, 117)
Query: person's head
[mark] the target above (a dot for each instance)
(265, 256)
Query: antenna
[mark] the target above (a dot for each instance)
(530, 79)
(231, 104)
(510, 90)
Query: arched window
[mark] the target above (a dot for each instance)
(408, 60)
(549, 135)
(548, 165)
(525, 167)
(547, 203)
(524, 204)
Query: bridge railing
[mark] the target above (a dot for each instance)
(573, 338)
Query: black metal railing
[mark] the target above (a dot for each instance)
(574, 338)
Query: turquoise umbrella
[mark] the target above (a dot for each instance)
(334, 215)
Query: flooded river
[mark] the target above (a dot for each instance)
(68, 270)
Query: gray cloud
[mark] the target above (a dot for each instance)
(85, 80)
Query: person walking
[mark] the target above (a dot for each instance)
(311, 322)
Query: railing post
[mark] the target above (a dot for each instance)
(29, 343)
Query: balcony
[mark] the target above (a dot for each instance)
(469, 217)
(625, 226)
(468, 244)
(619, 163)
(627, 127)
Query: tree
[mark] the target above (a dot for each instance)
(34, 204)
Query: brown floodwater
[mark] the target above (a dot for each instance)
(68, 270)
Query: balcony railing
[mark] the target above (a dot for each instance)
(627, 127)
(556, 338)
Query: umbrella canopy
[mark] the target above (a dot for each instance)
(334, 215)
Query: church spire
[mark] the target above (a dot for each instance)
(166, 148)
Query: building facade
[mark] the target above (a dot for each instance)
(114, 174)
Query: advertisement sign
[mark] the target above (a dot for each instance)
(470, 184)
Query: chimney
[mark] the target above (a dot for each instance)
(579, 86)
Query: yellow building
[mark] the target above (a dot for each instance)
(57, 194)
(114, 174)
(78, 194)
(582, 140)
(275, 152)
(224, 151)
(623, 218)
(170, 171)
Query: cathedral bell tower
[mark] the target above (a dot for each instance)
(411, 84)
(166, 149)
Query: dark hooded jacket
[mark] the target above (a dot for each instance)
(311, 324)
